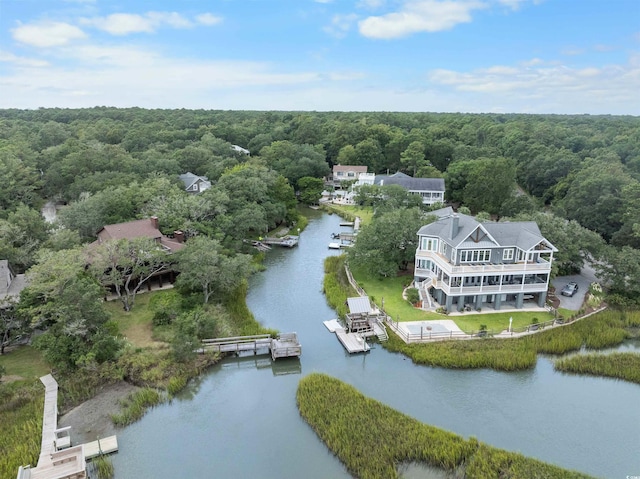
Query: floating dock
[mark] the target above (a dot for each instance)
(352, 342)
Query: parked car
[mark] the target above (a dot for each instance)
(570, 289)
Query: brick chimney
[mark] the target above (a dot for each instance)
(154, 222)
(178, 236)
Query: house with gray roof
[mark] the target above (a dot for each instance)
(194, 183)
(463, 264)
(430, 189)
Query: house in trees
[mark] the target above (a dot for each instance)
(431, 190)
(10, 284)
(342, 173)
(466, 265)
(145, 228)
(239, 149)
(194, 183)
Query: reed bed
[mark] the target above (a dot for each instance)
(136, 405)
(605, 329)
(336, 286)
(21, 426)
(373, 440)
(104, 467)
(625, 366)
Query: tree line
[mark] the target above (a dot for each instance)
(577, 176)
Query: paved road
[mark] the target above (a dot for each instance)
(584, 279)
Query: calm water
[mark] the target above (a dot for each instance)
(240, 420)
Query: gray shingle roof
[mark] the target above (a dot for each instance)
(412, 184)
(522, 234)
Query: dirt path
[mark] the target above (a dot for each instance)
(92, 418)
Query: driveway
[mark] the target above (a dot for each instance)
(584, 279)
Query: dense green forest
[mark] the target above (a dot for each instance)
(110, 165)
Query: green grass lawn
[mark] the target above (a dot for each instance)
(400, 310)
(25, 362)
(365, 214)
(136, 324)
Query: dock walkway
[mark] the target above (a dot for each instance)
(288, 241)
(58, 459)
(286, 345)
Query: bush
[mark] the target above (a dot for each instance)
(166, 306)
(413, 295)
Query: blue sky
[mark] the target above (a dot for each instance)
(522, 56)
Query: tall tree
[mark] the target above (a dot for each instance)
(388, 244)
(127, 265)
(204, 266)
(67, 304)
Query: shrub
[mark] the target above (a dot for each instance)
(413, 295)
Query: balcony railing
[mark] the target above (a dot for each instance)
(479, 269)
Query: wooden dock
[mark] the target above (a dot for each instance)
(100, 446)
(286, 345)
(58, 459)
(288, 241)
(352, 342)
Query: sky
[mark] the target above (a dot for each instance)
(479, 56)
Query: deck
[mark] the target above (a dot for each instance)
(288, 241)
(57, 458)
(286, 345)
(352, 342)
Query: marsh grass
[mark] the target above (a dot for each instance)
(372, 439)
(602, 330)
(136, 405)
(336, 286)
(605, 329)
(21, 405)
(625, 366)
(104, 467)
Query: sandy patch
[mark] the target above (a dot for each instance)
(92, 418)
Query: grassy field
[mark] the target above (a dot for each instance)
(25, 362)
(135, 325)
(350, 212)
(372, 440)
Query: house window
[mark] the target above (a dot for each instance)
(475, 256)
(507, 254)
(443, 247)
(429, 244)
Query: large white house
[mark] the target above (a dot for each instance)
(467, 265)
(431, 190)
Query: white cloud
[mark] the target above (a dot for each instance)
(419, 16)
(47, 34)
(126, 23)
(21, 61)
(545, 86)
(208, 19)
(340, 25)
